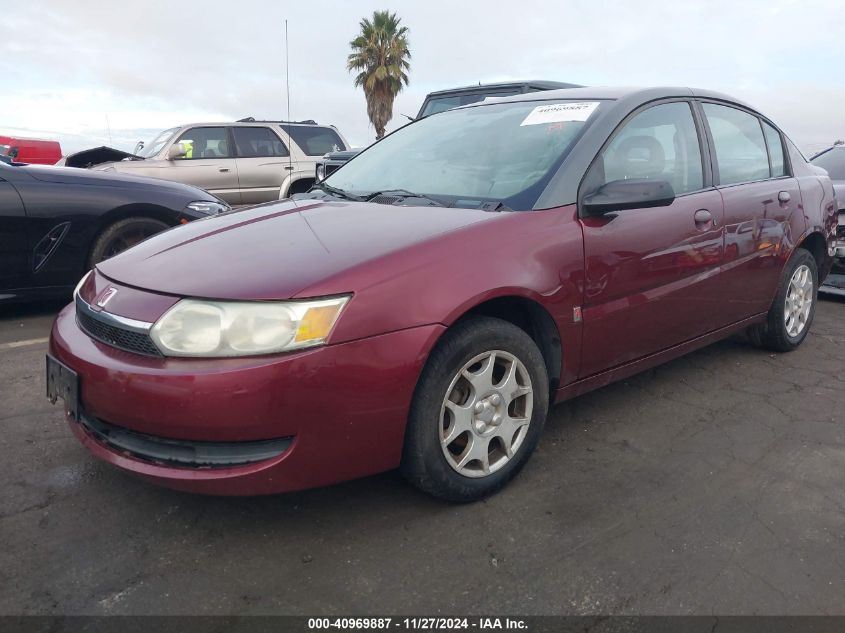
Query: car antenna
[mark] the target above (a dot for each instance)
(108, 127)
(287, 88)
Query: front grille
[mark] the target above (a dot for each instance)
(330, 168)
(116, 336)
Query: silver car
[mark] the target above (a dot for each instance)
(245, 162)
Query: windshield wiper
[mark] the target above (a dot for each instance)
(339, 193)
(404, 193)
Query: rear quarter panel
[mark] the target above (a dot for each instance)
(819, 205)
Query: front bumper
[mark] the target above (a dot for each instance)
(342, 408)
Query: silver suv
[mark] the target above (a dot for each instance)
(246, 162)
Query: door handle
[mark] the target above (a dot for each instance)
(289, 168)
(704, 219)
(224, 169)
(784, 197)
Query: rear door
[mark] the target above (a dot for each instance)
(761, 200)
(262, 163)
(210, 163)
(651, 273)
(14, 248)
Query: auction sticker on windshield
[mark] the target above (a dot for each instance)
(560, 112)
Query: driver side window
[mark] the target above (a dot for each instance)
(205, 142)
(659, 143)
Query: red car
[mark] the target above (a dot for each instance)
(30, 150)
(424, 306)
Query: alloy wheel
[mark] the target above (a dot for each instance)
(799, 301)
(485, 414)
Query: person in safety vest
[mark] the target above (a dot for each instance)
(189, 149)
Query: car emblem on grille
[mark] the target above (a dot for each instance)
(106, 296)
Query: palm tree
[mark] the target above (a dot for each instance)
(380, 56)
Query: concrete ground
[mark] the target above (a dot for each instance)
(713, 484)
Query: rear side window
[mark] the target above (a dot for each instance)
(205, 142)
(315, 141)
(775, 145)
(740, 149)
(660, 143)
(253, 142)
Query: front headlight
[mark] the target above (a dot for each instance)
(196, 327)
(321, 171)
(208, 208)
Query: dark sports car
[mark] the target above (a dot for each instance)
(56, 223)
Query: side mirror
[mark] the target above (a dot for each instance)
(635, 193)
(138, 147)
(177, 150)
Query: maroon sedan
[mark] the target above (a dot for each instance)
(427, 303)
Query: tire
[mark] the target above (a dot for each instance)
(777, 333)
(501, 360)
(121, 235)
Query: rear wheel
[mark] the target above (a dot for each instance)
(121, 235)
(792, 311)
(478, 410)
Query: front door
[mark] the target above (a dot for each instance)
(651, 273)
(15, 266)
(208, 164)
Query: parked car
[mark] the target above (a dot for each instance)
(832, 160)
(425, 307)
(56, 223)
(441, 100)
(246, 162)
(30, 150)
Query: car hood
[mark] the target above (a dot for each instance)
(75, 176)
(274, 251)
(97, 156)
(344, 155)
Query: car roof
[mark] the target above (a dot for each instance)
(542, 84)
(253, 124)
(631, 94)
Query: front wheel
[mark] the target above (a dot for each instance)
(121, 235)
(791, 314)
(478, 410)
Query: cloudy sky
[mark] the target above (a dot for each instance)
(71, 70)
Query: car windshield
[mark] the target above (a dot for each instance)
(504, 152)
(833, 160)
(154, 147)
